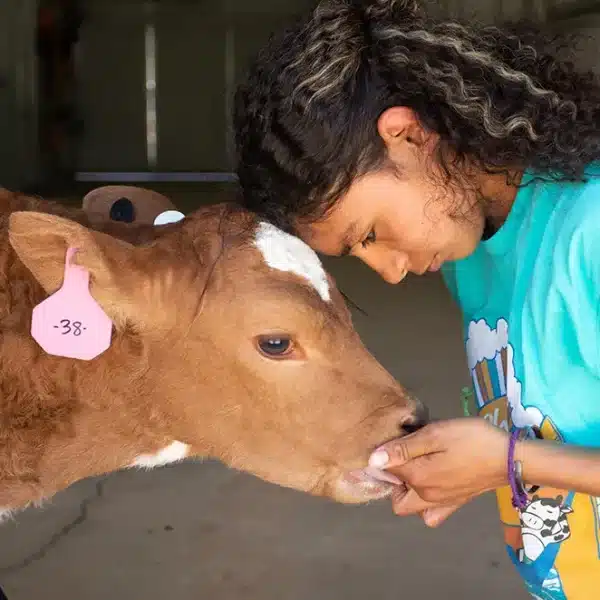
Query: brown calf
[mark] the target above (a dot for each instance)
(230, 341)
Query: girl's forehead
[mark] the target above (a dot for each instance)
(336, 233)
(368, 199)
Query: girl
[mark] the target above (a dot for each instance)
(369, 130)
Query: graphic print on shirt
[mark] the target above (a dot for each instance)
(535, 536)
(497, 389)
(543, 522)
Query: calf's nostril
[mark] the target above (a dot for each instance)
(416, 421)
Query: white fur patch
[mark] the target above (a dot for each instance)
(286, 252)
(171, 453)
(6, 514)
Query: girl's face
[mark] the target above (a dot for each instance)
(399, 219)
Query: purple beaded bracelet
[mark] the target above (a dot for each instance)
(519, 492)
(519, 497)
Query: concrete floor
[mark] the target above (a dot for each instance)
(200, 531)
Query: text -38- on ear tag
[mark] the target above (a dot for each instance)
(70, 323)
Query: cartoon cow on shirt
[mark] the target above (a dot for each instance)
(543, 522)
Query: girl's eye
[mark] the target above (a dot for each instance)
(370, 239)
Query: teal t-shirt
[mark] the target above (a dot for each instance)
(530, 297)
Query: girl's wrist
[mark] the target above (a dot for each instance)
(516, 479)
(523, 454)
(553, 464)
(540, 462)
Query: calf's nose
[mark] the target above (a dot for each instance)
(418, 419)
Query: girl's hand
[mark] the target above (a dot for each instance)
(407, 502)
(445, 463)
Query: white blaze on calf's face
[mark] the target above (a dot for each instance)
(285, 252)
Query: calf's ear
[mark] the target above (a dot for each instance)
(41, 242)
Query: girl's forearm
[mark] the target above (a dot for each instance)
(551, 464)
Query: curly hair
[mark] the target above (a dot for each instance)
(499, 98)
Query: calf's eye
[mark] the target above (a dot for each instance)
(275, 346)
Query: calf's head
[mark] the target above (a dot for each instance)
(233, 336)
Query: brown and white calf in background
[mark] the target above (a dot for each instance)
(230, 341)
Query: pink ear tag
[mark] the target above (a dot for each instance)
(71, 323)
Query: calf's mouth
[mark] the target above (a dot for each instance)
(372, 483)
(367, 484)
